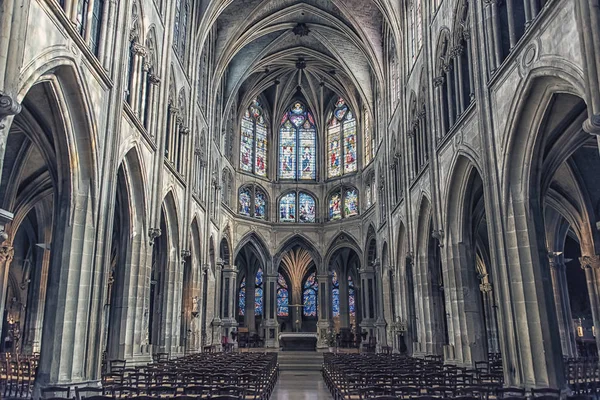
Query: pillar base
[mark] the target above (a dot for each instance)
(271, 329)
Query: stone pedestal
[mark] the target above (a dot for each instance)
(229, 296)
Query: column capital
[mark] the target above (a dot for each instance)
(592, 124)
(6, 253)
(153, 233)
(154, 79)
(8, 107)
(439, 81)
(485, 287)
(185, 253)
(220, 262)
(590, 261)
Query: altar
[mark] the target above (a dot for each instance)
(301, 341)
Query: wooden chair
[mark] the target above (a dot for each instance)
(85, 392)
(55, 391)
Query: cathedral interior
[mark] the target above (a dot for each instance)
(396, 185)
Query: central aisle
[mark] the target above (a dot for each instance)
(300, 385)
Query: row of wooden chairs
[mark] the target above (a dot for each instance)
(369, 376)
(17, 374)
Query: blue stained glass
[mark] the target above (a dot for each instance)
(258, 304)
(297, 144)
(310, 296)
(258, 293)
(260, 205)
(242, 298)
(245, 200)
(254, 143)
(306, 208)
(282, 297)
(351, 297)
(335, 295)
(287, 208)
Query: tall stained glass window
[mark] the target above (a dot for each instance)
(297, 144)
(368, 137)
(335, 295)
(254, 143)
(283, 297)
(310, 296)
(343, 203)
(252, 202)
(341, 141)
(258, 293)
(242, 298)
(298, 207)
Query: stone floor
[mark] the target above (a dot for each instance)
(298, 385)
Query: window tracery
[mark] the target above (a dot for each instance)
(343, 203)
(252, 201)
(341, 141)
(253, 143)
(282, 297)
(297, 144)
(298, 207)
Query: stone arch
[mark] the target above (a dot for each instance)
(225, 251)
(539, 140)
(342, 240)
(259, 247)
(371, 246)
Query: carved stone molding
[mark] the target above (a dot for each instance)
(485, 287)
(8, 107)
(6, 254)
(590, 261)
(185, 253)
(591, 125)
(153, 233)
(301, 30)
(439, 81)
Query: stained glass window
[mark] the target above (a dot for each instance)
(260, 204)
(253, 202)
(343, 203)
(242, 298)
(245, 201)
(306, 208)
(258, 293)
(254, 142)
(341, 141)
(297, 144)
(283, 297)
(351, 203)
(287, 208)
(368, 137)
(335, 207)
(351, 297)
(310, 296)
(335, 295)
(298, 207)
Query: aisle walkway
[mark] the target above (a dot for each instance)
(300, 385)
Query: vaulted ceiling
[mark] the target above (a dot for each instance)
(272, 47)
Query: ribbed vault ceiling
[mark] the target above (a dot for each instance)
(261, 44)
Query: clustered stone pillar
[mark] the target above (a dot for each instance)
(563, 308)
(591, 266)
(270, 325)
(217, 323)
(369, 307)
(229, 284)
(588, 17)
(489, 307)
(249, 312)
(380, 323)
(6, 257)
(324, 308)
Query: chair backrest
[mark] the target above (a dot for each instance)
(55, 391)
(545, 392)
(86, 392)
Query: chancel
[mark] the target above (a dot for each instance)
(299, 199)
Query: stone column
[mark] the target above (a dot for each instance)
(493, 33)
(217, 322)
(367, 295)
(324, 308)
(229, 296)
(379, 301)
(563, 307)
(588, 18)
(344, 302)
(591, 266)
(490, 317)
(6, 257)
(8, 109)
(270, 324)
(250, 313)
